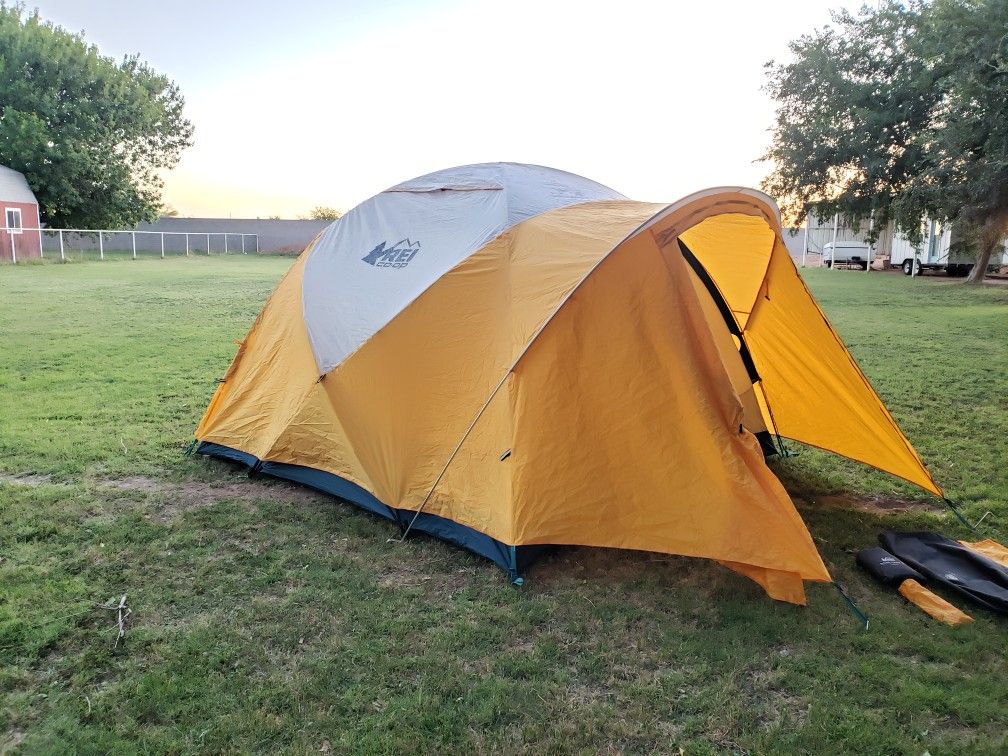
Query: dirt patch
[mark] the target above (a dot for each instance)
(29, 480)
(135, 483)
(876, 505)
(178, 498)
(11, 741)
(775, 705)
(198, 492)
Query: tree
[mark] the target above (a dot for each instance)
(898, 113)
(91, 135)
(324, 212)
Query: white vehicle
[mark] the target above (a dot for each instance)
(848, 252)
(931, 254)
(935, 253)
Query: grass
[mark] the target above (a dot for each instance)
(266, 617)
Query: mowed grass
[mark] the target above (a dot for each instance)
(266, 617)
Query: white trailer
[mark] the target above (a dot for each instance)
(937, 252)
(851, 253)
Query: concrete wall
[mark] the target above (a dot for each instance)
(275, 236)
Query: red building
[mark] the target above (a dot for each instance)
(20, 238)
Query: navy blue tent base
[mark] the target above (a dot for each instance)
(512, 559)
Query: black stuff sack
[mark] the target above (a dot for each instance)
(950, 564)
(886, 568)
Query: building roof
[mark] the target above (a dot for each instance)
(14, 187)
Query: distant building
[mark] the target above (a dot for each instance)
(20, 213)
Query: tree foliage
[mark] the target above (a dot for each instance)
(898, 113)
(91, 135)
(324, 212)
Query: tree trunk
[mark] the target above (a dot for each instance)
(990, 237)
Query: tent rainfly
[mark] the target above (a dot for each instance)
(509, 356)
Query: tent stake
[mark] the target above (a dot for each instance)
(851, 605)
(959, 515)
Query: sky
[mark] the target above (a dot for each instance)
(313, 102)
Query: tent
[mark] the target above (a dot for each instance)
(509, 357)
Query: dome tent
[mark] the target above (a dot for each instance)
(508, 356)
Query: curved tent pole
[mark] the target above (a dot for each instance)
(722, 305)
(661, 214)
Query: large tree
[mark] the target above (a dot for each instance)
(90, 134)
(898, 113)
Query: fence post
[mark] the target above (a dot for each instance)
(836, 218)
(871, 227)
(225, 242)
(243, 243)
(804, 252)
(208, 245)
(101, 246)
(13, 247)
(133, 237)
(187, 245)
(257, 243)
(40, 253)
(162, 245)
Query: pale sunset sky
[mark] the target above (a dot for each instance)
(306, 103)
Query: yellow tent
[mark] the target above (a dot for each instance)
(508, 356)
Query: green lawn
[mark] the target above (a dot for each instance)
(269, 618)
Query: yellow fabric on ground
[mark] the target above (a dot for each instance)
(778, 584)
(990, 549)
(932, 604)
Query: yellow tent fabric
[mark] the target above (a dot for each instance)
(815, 390)
(571, 381)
